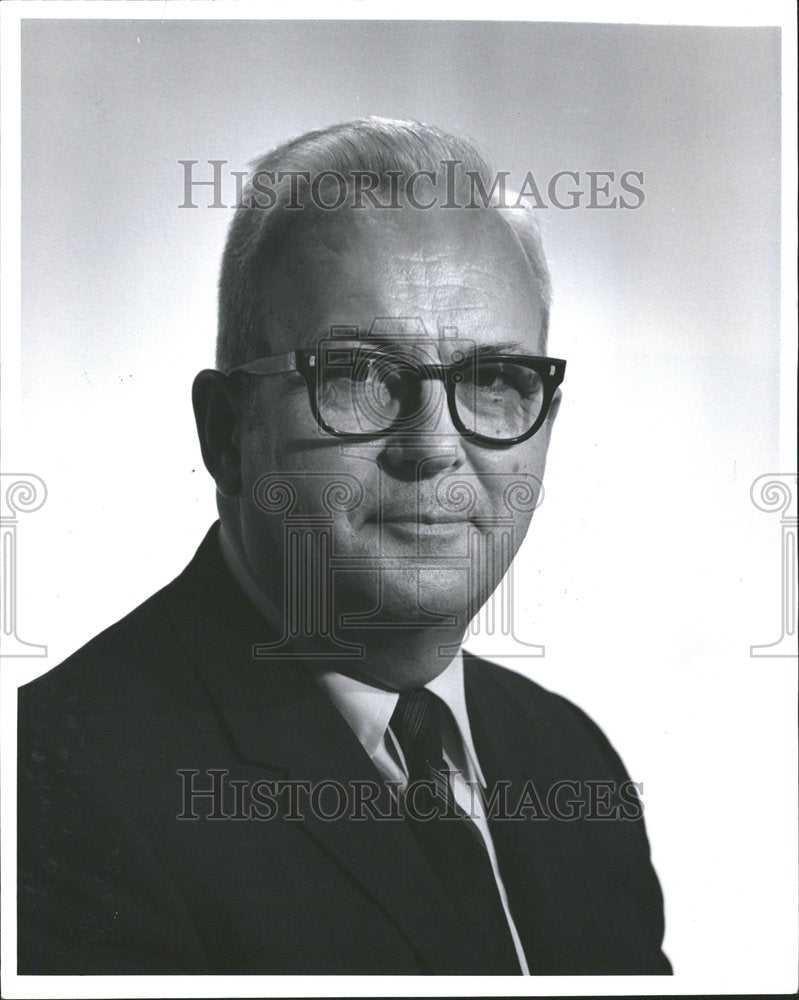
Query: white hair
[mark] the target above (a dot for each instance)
(381, 147)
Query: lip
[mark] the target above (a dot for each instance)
(418, 520)
(414, 528)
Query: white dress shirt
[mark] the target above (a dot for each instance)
(368, 711)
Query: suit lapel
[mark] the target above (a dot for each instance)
(537, 868)
(275, 715)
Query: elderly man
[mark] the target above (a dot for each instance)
(283, 762)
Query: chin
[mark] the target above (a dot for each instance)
(407, 597)
(406, 675)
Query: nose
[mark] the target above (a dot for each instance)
(429, 443)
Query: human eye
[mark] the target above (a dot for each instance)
(490, 376)
(504, 377)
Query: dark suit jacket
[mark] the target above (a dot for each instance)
(112, 882)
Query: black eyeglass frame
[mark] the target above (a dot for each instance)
(304, 361)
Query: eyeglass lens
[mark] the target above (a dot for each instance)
(365, 391)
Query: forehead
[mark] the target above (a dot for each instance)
(457, 271)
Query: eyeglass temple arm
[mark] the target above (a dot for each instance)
(277, 365)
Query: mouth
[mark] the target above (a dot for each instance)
(411, 528)
(423, 520)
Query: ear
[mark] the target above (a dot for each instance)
(217, 418)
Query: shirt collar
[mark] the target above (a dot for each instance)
(368, 709)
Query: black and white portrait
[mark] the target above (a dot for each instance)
(399, 503)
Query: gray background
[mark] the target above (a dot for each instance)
(648, 573)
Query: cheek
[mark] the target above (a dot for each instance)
(284, 478)
(277, 436)
(519, 470)
(270, 486)
(258, 455)
(528, 467)
(512, 483)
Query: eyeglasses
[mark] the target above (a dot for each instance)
(367, 390)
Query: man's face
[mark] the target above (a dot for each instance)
(428, 528)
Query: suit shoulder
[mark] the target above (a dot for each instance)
(116, 657)
(479, 670)
(549, 712)
(524, 692)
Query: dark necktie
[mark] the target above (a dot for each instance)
(451, 842)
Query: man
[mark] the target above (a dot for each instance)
(283, 762)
